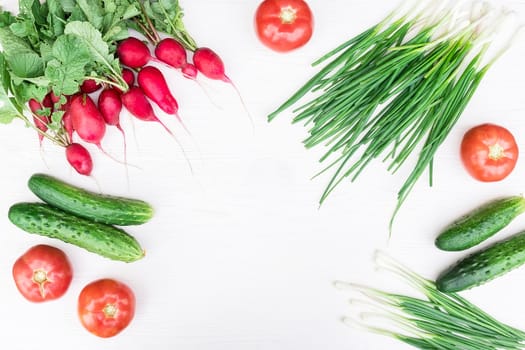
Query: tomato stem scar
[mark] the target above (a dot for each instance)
(110, 310)
(40, 278)
(496, 151)
(288, 15)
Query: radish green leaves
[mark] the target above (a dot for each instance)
(9, 107)
(66, 70)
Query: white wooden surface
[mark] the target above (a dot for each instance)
(239, 256)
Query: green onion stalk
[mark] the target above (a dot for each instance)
(398, 88)
(436, 320)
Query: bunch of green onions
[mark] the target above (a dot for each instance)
(398, 87)
(437, 321)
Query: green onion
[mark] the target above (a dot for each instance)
(397, 89)
(434, 321)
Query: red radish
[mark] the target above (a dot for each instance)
(67, 104)
(89, 86)
(152, 82)
(79, 158)
(87, 120)
(35, 106)
(128, 76)
(171, 52)
(47, 102)
(54, 98)
(189, 71)
(138, 105)
(110, 105)
(211, 65)
(41, 123)
(41, 120)
(68, 124)
(133, 53)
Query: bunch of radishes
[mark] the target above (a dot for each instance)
(87, 119)
(77, 78)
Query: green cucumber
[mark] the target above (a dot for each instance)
(111, 210)
(480, 224)
(484, 265)
(105, 240)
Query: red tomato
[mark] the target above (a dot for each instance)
(106, 307)
(489, 152)
(284, 25)
(42, 273)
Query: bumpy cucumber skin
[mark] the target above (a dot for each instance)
(111, 210)
(480, 224)
(105, 240)
(484, 265)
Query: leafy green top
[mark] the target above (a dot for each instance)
(57, 44)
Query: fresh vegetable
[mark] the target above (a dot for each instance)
(436, 320)
(480, 224)
(152, 82)
(72, 54)
(79, 158)
(67, 124)
(60, 50)
(40, 107)
(87, 120)
(398, 87)
(284, 25)
(41, 123)
(106, 307)
(42, 273)
(111, 210)
(36, 107)
(110, 106)
(53, 99)
(50, 49)
(189, 71)
(135, 101)
(484, 265)
(133, 53)
(40, 118)
(171, 52)
(210, 64)
(89, 86)
(489, 152)
(102, 239)
(128, 76)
